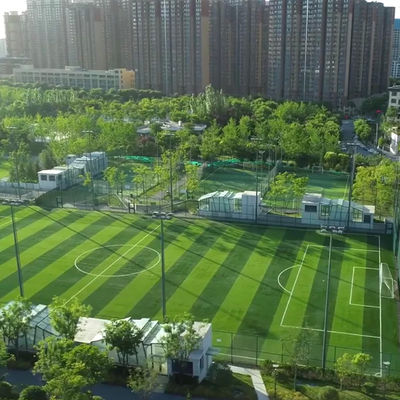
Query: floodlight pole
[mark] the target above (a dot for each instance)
(325, 332)
(353, 167)
(162, 216)
(16, 248)
(16, 164)
(90, 133)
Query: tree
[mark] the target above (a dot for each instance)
(361, 361)
(14, 321)
(344, 368)
(192, 178)
(143, 381)
(362, 129)
(46, 159)
(180, 339)
(125, 337)
(210, 143)
(33, 393)
(299, 350)
(4, 357)
(65, 316)
(141, 173)
(67, 368)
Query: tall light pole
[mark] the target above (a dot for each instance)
(90, 133)
(162, 216)
(386, 374)
(275, 367)
(16, 247)
(14, 128)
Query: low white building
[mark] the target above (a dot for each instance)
(66, 176)
(321, 211)
(227, 204)
(92, 331)
(394, 102)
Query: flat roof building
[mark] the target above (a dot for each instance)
(76, 77)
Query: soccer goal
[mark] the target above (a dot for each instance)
(386, 281)
(317, 169)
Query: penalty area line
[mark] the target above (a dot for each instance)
(108, 267)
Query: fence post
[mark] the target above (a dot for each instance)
(256, 350)
(232, 347)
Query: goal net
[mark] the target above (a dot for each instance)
(386, 281)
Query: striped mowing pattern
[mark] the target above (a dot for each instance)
(252, 280)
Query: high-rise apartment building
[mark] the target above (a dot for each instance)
(238, 48)
(85, 34)
(328, 50)
(47, 27)
(17, 35)
(396, 50)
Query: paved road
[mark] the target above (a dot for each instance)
(349, 136)
(108, 392)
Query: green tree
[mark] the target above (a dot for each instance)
(344, 368)
(143, 381)
(180, 339)
(125, 337)
(15, 321)
(64, 316)
(361, 361)
(68, 368)
(192, 178)
(141, 173)
(362, 129)
(210, 147)
(33, 393)
(46, 159)
(4, 357)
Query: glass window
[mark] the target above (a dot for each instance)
(52, 178)
(308, 208)
(357, 215)
(325, 210)
(367, 218)
(43, 177)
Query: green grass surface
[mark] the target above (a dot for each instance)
(4, 168)
(260, 282)
(236, 179)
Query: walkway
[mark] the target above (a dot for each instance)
(256, 378)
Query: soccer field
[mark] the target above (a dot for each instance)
(256, 284)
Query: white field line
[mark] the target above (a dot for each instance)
(351, 289)
(279, 277)
(345, 248)
(294, 285)
(336, 332)
(108, 267)
(380, 311)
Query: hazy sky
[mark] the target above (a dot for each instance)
(20, 5)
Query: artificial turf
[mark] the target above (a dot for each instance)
(256, 284)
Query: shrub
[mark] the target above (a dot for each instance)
(6, 391)
(369, 388)
(328, 393)
(33, 393)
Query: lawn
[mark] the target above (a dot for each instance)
(331, 185)
(256, 284)
(4, 168)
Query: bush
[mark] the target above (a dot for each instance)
(7, 391)
(33, 393)
(328, 393)
(369, 388)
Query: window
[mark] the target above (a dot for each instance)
(43, 177)
(325, 210)
(201, 363)
(52, 178)
(367, 218)
(357, 215)
(308, 208)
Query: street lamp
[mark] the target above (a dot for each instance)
(16, 247)
(275, 367)
(386, 365)
(162, 216)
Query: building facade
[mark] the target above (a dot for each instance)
(396, 50)
(76, 77)
(17, 35)
(85, 34)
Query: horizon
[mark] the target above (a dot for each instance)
(20, 5)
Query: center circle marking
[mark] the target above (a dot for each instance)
(80, 256)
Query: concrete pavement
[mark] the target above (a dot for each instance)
(256, 378)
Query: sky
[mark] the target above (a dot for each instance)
(20, 5)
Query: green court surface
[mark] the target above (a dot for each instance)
(256, 284)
